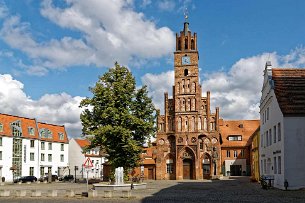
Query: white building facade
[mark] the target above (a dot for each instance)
(77, 158)
(24, 148)
(282, 127)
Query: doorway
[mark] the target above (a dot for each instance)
(235, 170)
(150, 174)
(187, 169)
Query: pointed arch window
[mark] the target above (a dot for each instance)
(179, 124)
(199, 123)
(193, 87)
(186, 43)
(179, 44)
(192, 44)
(193, 124)
(186, 72)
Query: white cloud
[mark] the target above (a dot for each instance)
(157, 84)
(59, 109)
(166, 5)
(3, 10)
(145, 3)
(109, 31)
(238, 91)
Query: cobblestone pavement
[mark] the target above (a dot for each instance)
(238, 189)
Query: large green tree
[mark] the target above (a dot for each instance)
(119, 116)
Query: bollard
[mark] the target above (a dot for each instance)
(36, 193)
(126, 193)
(52, 193)
(70, 193)
(93, 193)
(108, 193)
(20, 193)
(5, 193)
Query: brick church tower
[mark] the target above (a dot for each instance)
(188, 139)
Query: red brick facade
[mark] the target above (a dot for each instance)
(188, 138)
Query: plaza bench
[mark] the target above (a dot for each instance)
(52, 193)
(36, 193)
(126, 193)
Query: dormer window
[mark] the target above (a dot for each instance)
(1, 127)
(45, 133)
(60, 136)
(16, 128)
(235, 138)
(31, 131)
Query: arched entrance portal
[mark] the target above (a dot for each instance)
(187, 169)
(206, 166)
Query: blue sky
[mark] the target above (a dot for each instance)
(52, 51)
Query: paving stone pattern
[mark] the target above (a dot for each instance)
(238, 189)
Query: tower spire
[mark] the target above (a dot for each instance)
(186, 15)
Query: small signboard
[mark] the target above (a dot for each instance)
(88, 163)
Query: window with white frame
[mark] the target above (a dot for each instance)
(270, 137)
(1, 127)
(0, 141)
(62, 158)
(31, 131)
(45, 133)
(16, 129)
(265, 166)
(62, 147)
(275, 165)
(50, 146)
(274, 134)
(32, 143)
(32, 156)
(279, 162)
(169, 166)
(235, 154)
(267, 139)
(228, 153)
(61, 136)
(262, 140)
(42, 157)
(279, 132)
(43, 145)
(268, 113)
(234, 137)
(0, 155)
(31, 171)
(49, 157)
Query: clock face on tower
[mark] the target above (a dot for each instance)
(186, 60)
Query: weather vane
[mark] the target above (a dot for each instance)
(186, 14)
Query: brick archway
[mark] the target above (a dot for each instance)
(186, 164)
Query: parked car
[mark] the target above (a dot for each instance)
(46, 178)
(66, 178)
(25, 179)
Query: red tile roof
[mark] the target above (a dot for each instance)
(55, 129)
(6, 120)
(289, 89)
(82, 143)
(245, 128)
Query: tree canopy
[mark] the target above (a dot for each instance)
(119, 116)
